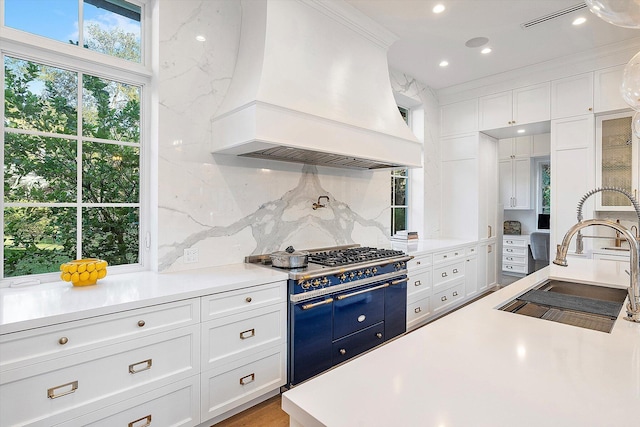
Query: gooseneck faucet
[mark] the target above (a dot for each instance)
(633, 308)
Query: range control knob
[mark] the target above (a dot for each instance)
(352, 275)
(316, 283)
(367, 272)
(306, 285)
(374, 270)
(360, 273)
(325, 281)
(343, 277)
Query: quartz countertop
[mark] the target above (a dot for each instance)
(56, 302)
(417, 247)
(479, 366)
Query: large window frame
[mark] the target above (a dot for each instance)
(41, 50)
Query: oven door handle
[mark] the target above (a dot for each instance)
(316, 304)
(397, 282)
(341, 297)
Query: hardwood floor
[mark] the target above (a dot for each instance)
(265, 414)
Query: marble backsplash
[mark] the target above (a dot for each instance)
(229, 207)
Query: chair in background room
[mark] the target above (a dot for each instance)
(539, 243)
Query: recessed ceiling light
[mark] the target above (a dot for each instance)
(444, 63)
(439, 8)
(521, 131)
(486, 50)
(579, 21)
(201, 38)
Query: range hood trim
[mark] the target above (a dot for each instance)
(243, 127)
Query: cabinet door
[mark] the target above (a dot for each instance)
(460, 198)
(506, 183)
(461, 117)
(572, 96)
(541, 145)
(616, 160)
(482, 271)
(496, 110)
(531, 104)
(505, 148)
(522, 146)
(607, 96)
(522, 183)
(471, 276)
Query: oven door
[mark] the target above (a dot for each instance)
(358, 308)
(310, 338)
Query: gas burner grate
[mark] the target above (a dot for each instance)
(352, 256)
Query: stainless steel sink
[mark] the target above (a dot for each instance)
(586, 306)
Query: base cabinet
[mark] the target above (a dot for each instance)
(158, 365)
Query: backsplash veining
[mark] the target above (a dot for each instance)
(229, 207)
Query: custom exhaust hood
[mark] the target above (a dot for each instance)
(311, 85)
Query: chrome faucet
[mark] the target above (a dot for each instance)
(633, 308)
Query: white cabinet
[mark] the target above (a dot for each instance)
(419, 290)
(243, 348)
(572, 96)
(515, 183)
(617, 161)
(458, 118)
(607, 96)
(512, 148)
(529, 104)
(469, 187)
(541, 146)
(515, 255)
(572, 174)
(471, 279)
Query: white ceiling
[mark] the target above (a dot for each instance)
(426, 38)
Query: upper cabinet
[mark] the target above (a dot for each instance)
(607, 89)
(459, 118)
(529, 104)
(511, 148)
(617, 161)
(572, 96)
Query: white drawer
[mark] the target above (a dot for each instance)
(522, 242)
(245, 379)
(58, 390)
(451, 255)
(443, 276)
(417, 312)
(177, 404)
(228, 303)
(41, 344)
(420, 262)
(419, 282)
(241, 335)
(515, 268)
(514, 260)
(512, 250)
(444, 299)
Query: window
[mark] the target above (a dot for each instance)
(73, 139)
(399, 184)
(544, 184)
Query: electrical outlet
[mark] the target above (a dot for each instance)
(190, 255)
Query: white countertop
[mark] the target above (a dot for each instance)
(50, 303)
(479, 366)
(416, 247)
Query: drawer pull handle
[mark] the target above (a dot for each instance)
(51, 393)
(455, 293)
(509, 258)
(417, 310)
(248, 299)
(141, 323)
(510, 267)
(509, 250)
(444, 298)
(396, 282)
(63, 340)
(343, 351)
(248, 379)
(456, 254)
(417, 283)
(247, 334)
(444, 256)
(147, 423)
(147, 365)
(315, 304)
(379, 335)
(510, 242)
(444, 274)
(455, 271)
(418, 262)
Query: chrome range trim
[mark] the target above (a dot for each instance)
(325, 271)
(295, 298)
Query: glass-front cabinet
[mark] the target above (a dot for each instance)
(616, 160)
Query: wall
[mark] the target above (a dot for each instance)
(229, 207)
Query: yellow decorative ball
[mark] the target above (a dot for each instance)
(83, 272)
